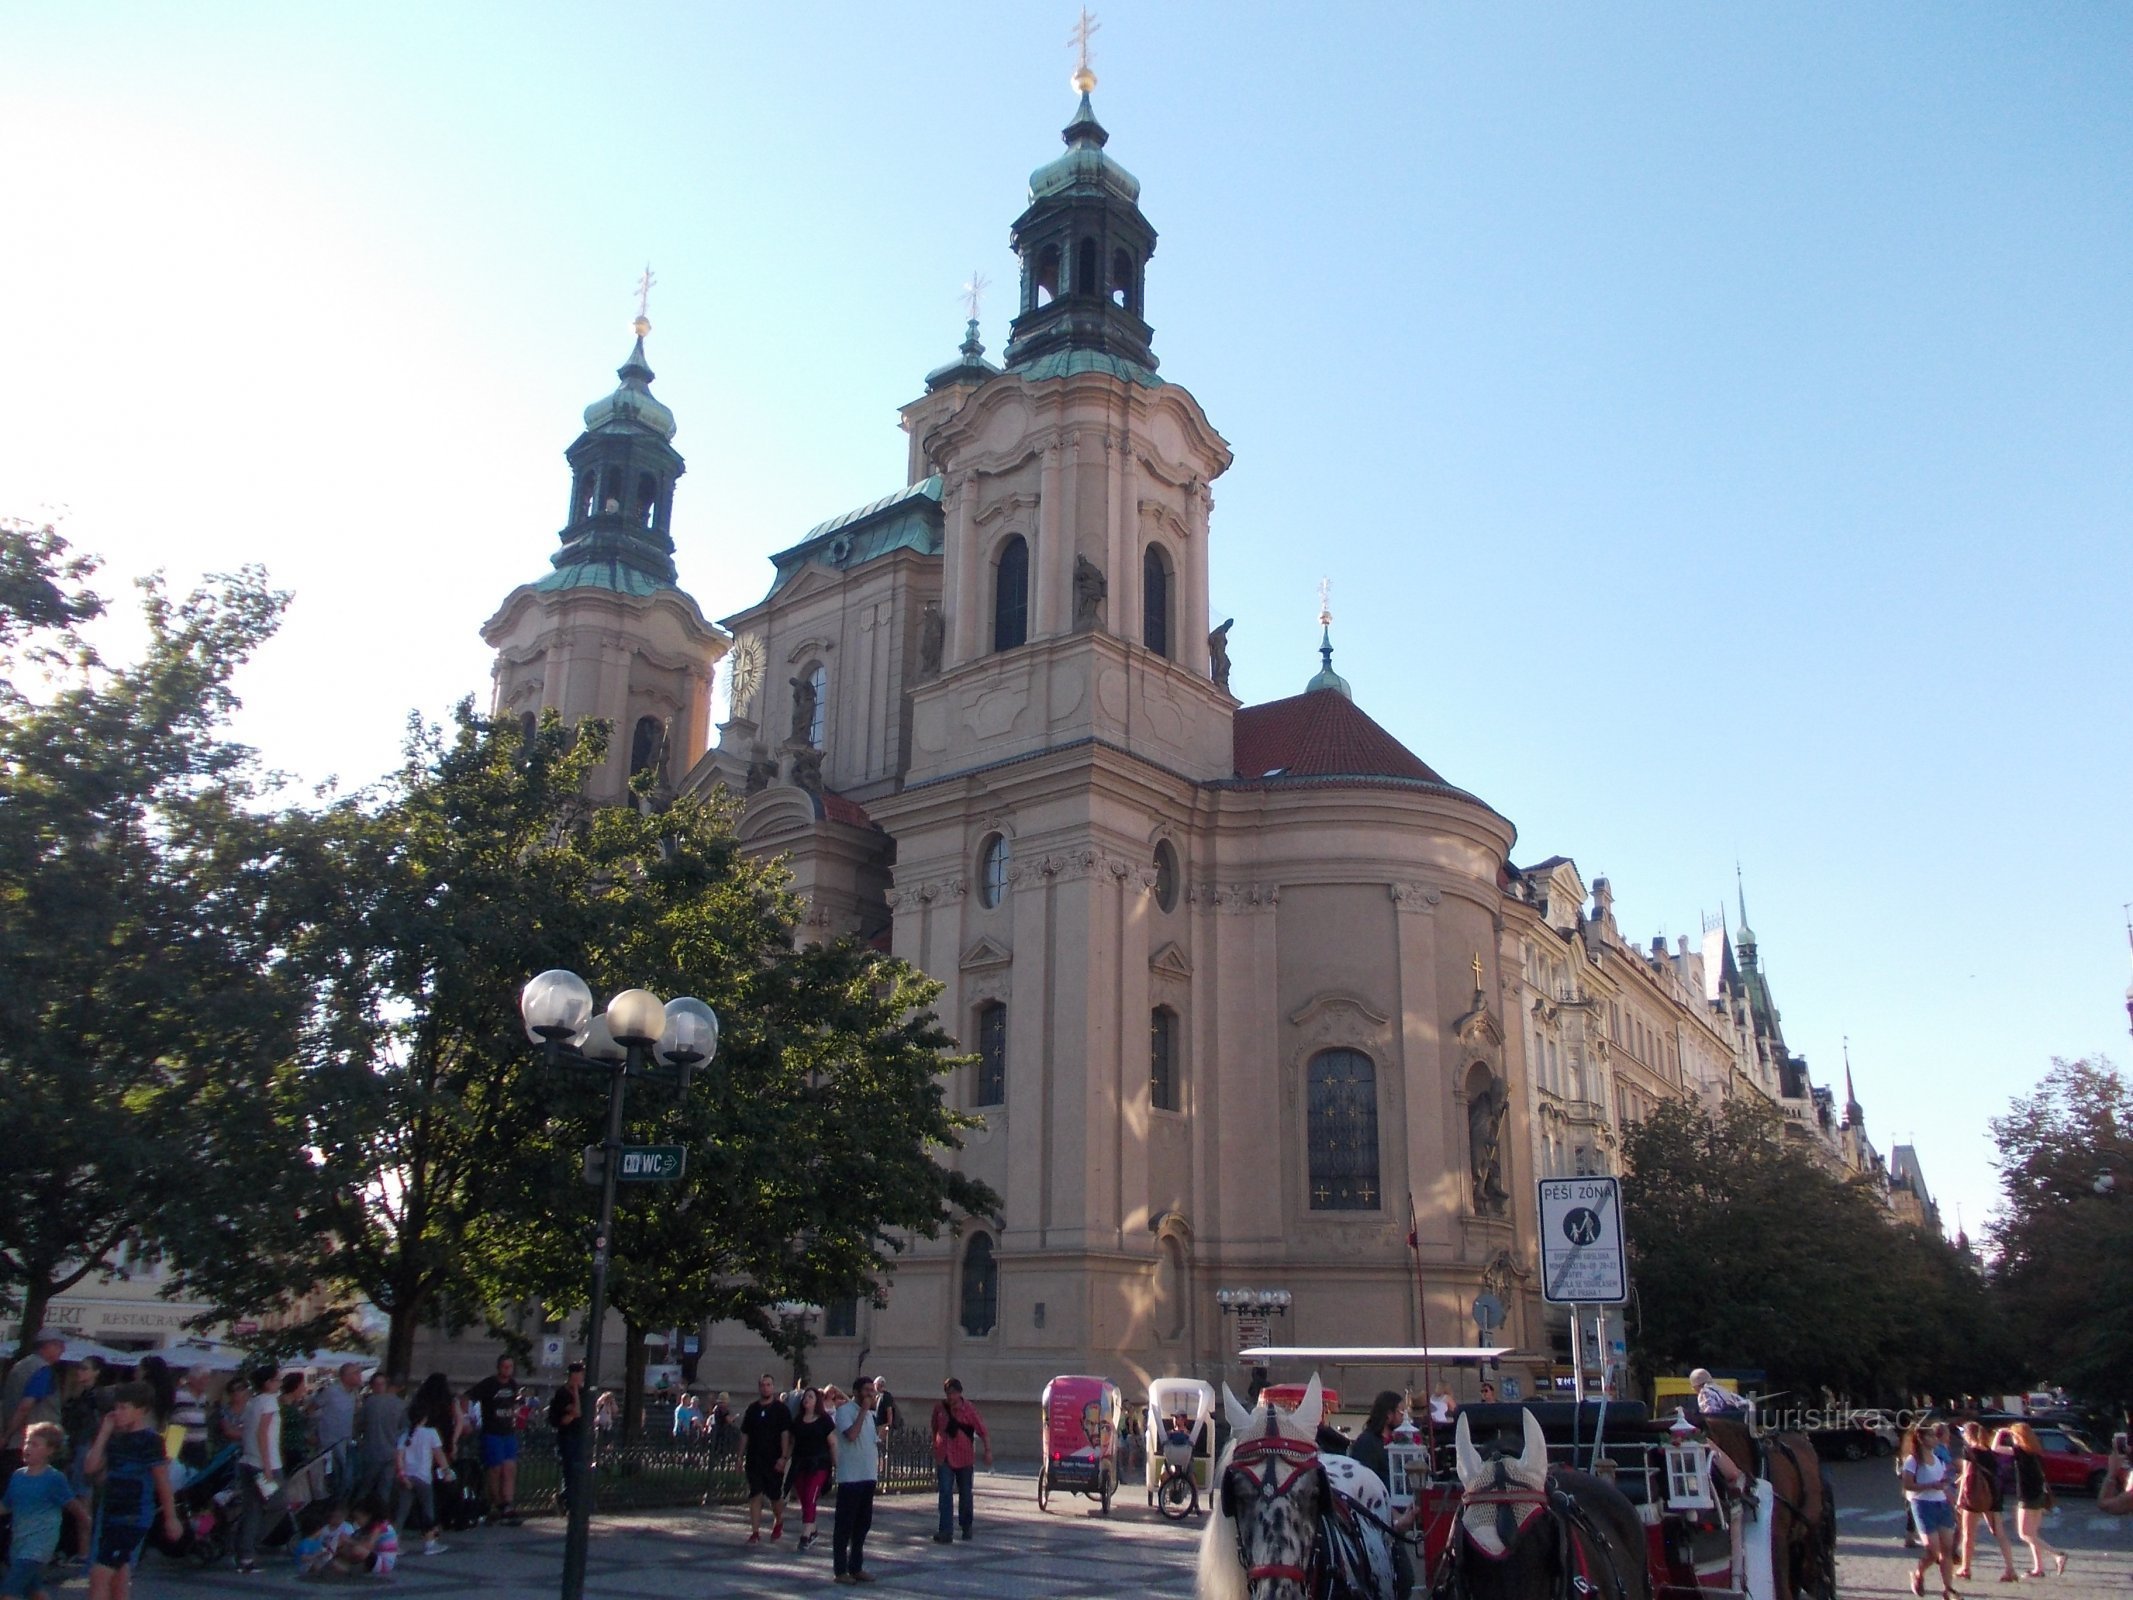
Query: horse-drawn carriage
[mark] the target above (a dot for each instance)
(1547, 1501)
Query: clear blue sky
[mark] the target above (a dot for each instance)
(1717, 422)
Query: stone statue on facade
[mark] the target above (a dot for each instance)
(1484, 1126)
(803, 710)
(762, 773)
(1218, 654)
(932, 636)
(1090, 587)
(805, 768)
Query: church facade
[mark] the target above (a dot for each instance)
(1253, 992)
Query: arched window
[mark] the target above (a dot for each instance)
(647, 497)
(1122, 280)
(528, 725)
(1163, 1059)
(1343, 1132)
(1155, 600)
(582, 504)
(1047, 279)
(1166, 875)
(994, 857)
(818, 679)
(981, 1287)
(991, 1089)
(647, 746)
(1010, 595)
(1085, 270)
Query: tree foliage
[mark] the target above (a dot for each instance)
(1748, 1254)
(2063, 1235)
(143, 1016)
(448, 1150)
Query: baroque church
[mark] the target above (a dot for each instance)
(1240, 981)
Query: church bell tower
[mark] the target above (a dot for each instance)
(608, 633)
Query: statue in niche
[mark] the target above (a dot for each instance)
(1218, 654)
(803, 709)
(1090, 588)
(932, 635)
(1485, 1114)
(762, 773)
(806, 769)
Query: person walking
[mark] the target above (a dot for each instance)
(766, 1439)
(2033, 1495)
(380, 1420)
(858, 1448)
(1977, 1495)
(566, 1416)
(258, 1466)
(333, 1417)
(1924, 1476)
(813, 1459)
(958, 1430)
(498, 1397)
(422, 1463)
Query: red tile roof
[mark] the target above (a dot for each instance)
(834, 807)
(1320, 735)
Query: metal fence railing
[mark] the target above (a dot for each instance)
(656, 1471)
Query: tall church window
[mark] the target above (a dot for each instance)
(647, 745)
(1085, 269)
(818, 681)
(1010, 595)
(991, 1088)
(840, 1317)
(1046, 284)
(981, 1286)
(993, 859)
(1122, 280)
(647, 497)
(1163, 1059)
(528, 725)
(1342, 1130)
(1166, 875)
(584, 506)
(1155, 600)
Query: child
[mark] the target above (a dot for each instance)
(314, 1551)
(374, 1547)
(128, 1455)
(38, 1496)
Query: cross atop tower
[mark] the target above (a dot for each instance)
(644, 301)
(1084, 80)
(1325, 602)
(974, 292)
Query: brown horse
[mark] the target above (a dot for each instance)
(1803, 1533)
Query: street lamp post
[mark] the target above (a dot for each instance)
(1254, 1310)
(636, 1037)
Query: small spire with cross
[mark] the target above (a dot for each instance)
(974, 293)
(643, 324)
(1325, 602)
(1084, 79)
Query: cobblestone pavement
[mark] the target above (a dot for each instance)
(1020, 1552)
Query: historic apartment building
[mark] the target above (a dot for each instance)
(1242, 982)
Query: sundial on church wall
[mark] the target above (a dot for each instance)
(747, 668)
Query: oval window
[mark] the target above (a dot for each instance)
(1166, 875)
(992, 871)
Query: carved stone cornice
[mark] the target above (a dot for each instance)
(1415, 896)
(1236, 896)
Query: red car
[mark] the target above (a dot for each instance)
(2070, 1461)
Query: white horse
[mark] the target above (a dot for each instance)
(1284, 1514)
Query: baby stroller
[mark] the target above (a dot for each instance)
(206, 1501)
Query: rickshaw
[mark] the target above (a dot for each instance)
(1179, 1460)
(1080, 1417)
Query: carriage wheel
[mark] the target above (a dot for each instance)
(1044, 1487)
(1179, 1497)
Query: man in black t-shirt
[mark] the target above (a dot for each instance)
(766, 1441)
(498, 1399)
(567, 1416)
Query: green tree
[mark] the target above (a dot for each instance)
(2063, 1235)
(143, 1016)
(446, 1185)
(1747, 1253)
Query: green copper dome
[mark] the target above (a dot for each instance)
(1084, 167)
(631, 408)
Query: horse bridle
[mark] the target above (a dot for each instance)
(1276, 1452)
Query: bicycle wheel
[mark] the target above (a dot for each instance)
(1176, 1497)
(1044, 1488)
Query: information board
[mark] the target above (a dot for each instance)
(1582, 1263)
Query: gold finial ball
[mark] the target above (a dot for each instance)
(1083, 80)
(643, 326)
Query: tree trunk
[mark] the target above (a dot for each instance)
(36, 1301)
(629, 1396)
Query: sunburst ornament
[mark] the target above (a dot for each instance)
(747, 672)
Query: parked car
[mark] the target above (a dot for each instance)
(1861, 1434)
(2071, 1463)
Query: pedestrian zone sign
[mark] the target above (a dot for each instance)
(1582, 1263)
(652, 1163)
